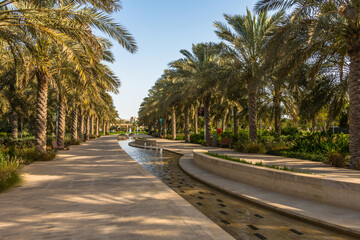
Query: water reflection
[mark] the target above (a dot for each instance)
(239, 218)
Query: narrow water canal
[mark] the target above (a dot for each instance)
(239, 218)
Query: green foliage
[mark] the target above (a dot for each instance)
(18, 143)
(317, 157)
(322, 143)
(254, 147)
(336, 159)
(290, 131)
(9, 171)
(197, 138)
(30, 155)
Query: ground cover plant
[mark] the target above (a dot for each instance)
(9, 171)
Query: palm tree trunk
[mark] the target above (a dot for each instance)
(92, 127)
(87, 134)
(97, 127)
(14, 125)
(61, 122)
(252, 116)
(81, 124)
(165, 127)
(277, 112)
(104, 128)
(207, 120)
(74, 116)
(236, 121)
(223, 122)
(173, 123)
(354, 106)
(187, 125)
(196, 121)
(41, 112)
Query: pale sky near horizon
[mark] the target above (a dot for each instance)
(161, 29)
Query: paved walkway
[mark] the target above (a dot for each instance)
(97, 191)
(340, 218)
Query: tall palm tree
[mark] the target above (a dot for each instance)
(202, 67)
(59, 23)
(332, 26)
(248, 36)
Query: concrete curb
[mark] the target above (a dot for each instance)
(187, 164)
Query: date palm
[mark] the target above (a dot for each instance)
(202, 67)
(248, 36)
(61, 24)
(333, 27)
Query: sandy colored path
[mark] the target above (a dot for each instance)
(96, 191)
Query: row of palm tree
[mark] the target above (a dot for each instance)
(299, 64)
(51, 58)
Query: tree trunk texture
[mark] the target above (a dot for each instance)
(277, 113)
(187, 125)
(41, 112)
(196, 121)
(173, 123)
(104, 128)
(223, 122)
(81, 124)
(87, 133)
(354, 106)
(252, 116)
(97, 127)
(74, 123)
(14, 125)
(207, 120)
(165, 127)
(236, 121)
(61, 122)
(92, 127)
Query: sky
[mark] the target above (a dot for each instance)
(161, 29)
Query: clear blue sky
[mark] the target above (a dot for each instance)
(162, 28)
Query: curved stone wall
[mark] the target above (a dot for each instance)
(306, 186)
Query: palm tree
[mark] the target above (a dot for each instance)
(248, 36)
(332, 27)
(201, 67)
(71, 24)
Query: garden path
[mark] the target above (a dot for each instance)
(97, 191)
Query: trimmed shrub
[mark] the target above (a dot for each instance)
(255, 148)
(336, 160)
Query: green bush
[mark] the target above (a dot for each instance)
(255, 148)
(30, 155)
(9, 171)
(197, 138)
(18, 143)
(323, 143)
(290, 131)
(336, 159)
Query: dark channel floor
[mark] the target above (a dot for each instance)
(241, 219)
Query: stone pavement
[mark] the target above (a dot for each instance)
(335, 217)
(97, 191)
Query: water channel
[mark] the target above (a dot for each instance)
(241, 219)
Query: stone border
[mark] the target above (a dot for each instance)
(143, 141)
(305, 186)
(186, 165)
